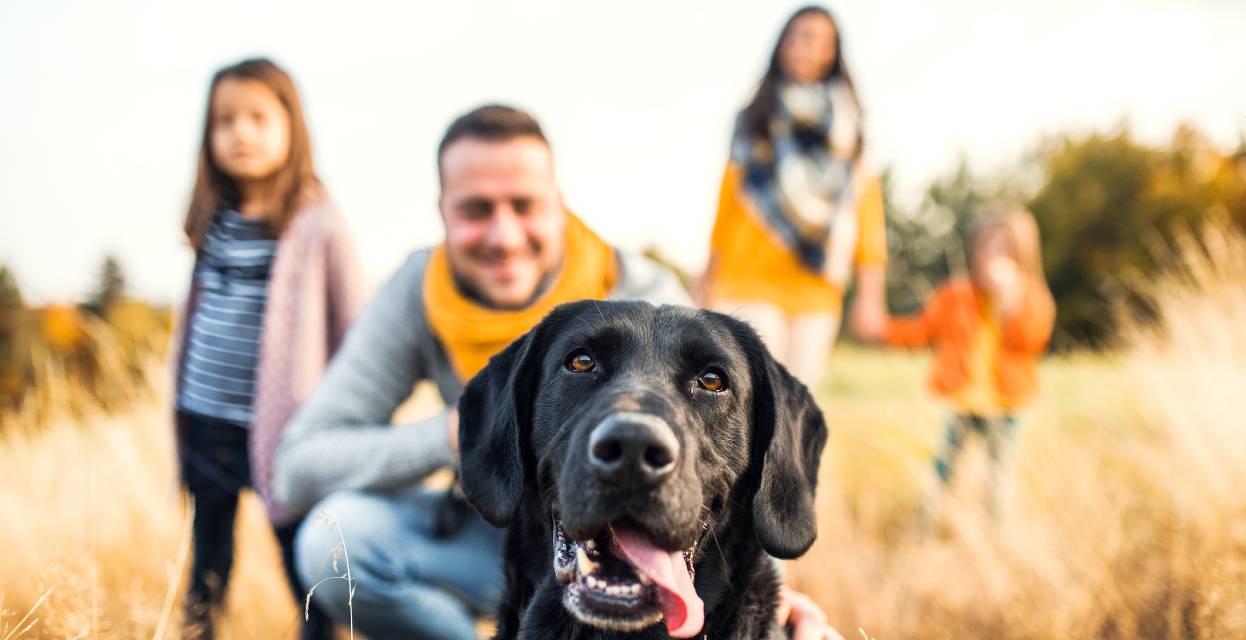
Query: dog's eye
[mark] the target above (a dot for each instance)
(580, 361)
(713, 379)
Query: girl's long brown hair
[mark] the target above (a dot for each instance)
(1025, 245)
(293, 185)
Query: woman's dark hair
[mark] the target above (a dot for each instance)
(756, 116)
(294, 183)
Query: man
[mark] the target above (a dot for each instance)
(511, 253)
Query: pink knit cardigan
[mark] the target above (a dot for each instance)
(315, 289)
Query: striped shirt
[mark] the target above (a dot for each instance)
(223, 346)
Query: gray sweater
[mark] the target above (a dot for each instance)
(342, 437)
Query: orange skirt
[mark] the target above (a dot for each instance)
(749, 264)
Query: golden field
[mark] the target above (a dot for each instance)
(1121, 516)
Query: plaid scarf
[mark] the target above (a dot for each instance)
(800, 178)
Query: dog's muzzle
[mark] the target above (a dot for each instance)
(633, 450)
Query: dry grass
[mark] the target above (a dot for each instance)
(61, 361)
(1122, 516)
(93, 513)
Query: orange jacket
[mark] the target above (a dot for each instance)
(949, 322)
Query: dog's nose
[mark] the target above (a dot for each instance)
(633, 449)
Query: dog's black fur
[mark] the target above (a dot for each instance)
(743, 485)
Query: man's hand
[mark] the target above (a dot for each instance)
(803, 617)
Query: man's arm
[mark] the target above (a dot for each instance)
(341, 438)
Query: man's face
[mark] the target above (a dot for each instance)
(503, 215)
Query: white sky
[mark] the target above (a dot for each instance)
(101, 104)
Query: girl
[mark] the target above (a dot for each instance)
(796, 210)
(276, 282)
(987, 332)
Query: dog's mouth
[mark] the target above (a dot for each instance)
(620, 580)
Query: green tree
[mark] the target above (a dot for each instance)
(1230, 187)
(1106, 209)
(110, 288)
(10, 294)
(14, 349)
(1107, 206)
(929, 243)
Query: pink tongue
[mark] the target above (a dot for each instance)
(681, 606)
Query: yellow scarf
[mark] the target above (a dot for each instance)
(471, 333)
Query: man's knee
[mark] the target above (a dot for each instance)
(336, 542)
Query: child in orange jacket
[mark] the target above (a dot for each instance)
(987, 332)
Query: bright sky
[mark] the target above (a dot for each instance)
(102, 104)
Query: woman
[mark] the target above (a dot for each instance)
(797, 209)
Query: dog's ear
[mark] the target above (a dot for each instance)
(788, 434)
(495, 413)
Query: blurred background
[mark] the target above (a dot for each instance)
(104, 103)
(1122, 125)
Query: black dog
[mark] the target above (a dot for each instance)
(656, 448)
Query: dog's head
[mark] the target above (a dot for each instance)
(637, 430)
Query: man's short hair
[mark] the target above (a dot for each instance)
(493, 123)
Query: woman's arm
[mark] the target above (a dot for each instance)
(868, 317)
(916, 330)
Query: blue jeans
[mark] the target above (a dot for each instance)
(996, 431)
(408, 583)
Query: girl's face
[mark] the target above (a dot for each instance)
(250, 137)
(808, 50)
(995, 267)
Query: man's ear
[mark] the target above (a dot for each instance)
(495, 414)
(789, 434)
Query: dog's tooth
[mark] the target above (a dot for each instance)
(591, 544)
(585, 565)
(644, 579)
(635, 589)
